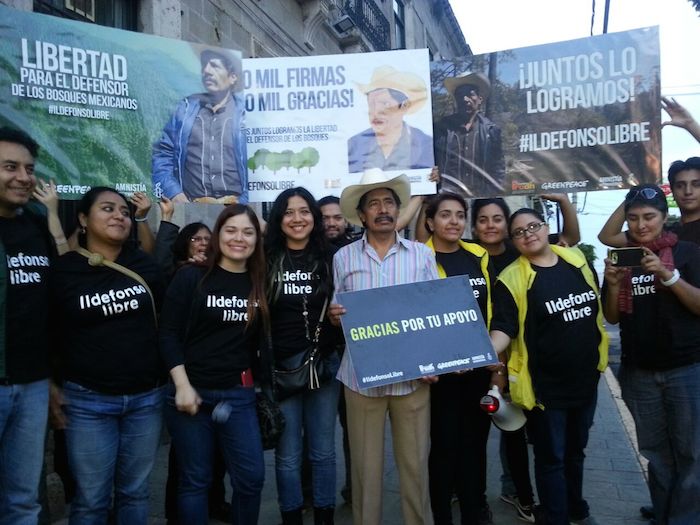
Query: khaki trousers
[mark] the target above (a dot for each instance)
(410, 431)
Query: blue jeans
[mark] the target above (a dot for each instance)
(241, 445)
(112, 442)
(559, 437)
(314, 412)
(666, 409)
(23, 413)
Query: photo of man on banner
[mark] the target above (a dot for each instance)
(201, 153)
(389, 143)
(468, 148)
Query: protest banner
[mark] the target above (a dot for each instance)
(580, 115)
(97, 99)
(403, 332)
(319, 121)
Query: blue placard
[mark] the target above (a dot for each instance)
(403, 332)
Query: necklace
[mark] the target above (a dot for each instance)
(304, 299)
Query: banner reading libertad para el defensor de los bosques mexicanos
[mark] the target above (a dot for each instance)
(99, 100)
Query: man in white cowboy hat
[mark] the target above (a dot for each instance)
(468, 147)
(383, 258)
(390, 143)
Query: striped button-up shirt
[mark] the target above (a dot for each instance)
(358, 267)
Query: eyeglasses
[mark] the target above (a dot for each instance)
(530, 228)
(199, 238)
(645, 193)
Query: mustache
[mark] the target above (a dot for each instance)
(382, 217)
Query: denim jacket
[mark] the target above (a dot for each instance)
(170, 150)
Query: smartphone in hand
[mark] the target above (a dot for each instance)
(626, 257)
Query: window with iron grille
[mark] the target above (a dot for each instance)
(121, 14)
(399, 25)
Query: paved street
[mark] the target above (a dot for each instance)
(614, 484)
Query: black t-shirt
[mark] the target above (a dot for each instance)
(561, 333)
(689, 231)
(296, 310)
(104, 322)
(500, 261)
(29, 254)
(462, 262)
(661, 333)
(203, 326)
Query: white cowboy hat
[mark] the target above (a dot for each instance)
(475, 79)
(410, 84)
(372, 179)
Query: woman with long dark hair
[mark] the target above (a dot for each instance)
(656, 300)
(547, 312)
(459, 429)
(299, 287)
(212, 332)
(105, 323)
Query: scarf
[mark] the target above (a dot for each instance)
(663, 247)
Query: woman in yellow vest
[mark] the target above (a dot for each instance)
(459, 428)
(547, 311)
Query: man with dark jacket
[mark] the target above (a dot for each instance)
(468, 148)
(201, 155)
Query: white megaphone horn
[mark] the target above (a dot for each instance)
(504, 414)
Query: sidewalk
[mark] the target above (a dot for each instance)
(614, 483)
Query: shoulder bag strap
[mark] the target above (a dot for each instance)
(97, 259)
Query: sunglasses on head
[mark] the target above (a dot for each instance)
(644, 193)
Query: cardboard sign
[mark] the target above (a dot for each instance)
(403, 332)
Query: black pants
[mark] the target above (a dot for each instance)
(518, 462)
(459, 432)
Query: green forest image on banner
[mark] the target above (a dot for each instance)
(95, 99)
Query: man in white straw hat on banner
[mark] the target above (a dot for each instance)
(467, 144)
(390, 143)
(383, 258)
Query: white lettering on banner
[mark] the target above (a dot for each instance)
(461, 317)
(380, 377)
(50, 57)
(579, 81)
(624, 133)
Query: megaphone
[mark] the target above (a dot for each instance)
(504, 414)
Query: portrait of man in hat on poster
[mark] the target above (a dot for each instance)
(201, 154)
(468, 150)
(389, 143)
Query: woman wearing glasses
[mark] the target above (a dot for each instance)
(547, 308)
(175, 248)
(657, 303)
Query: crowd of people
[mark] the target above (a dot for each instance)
(110, 339)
